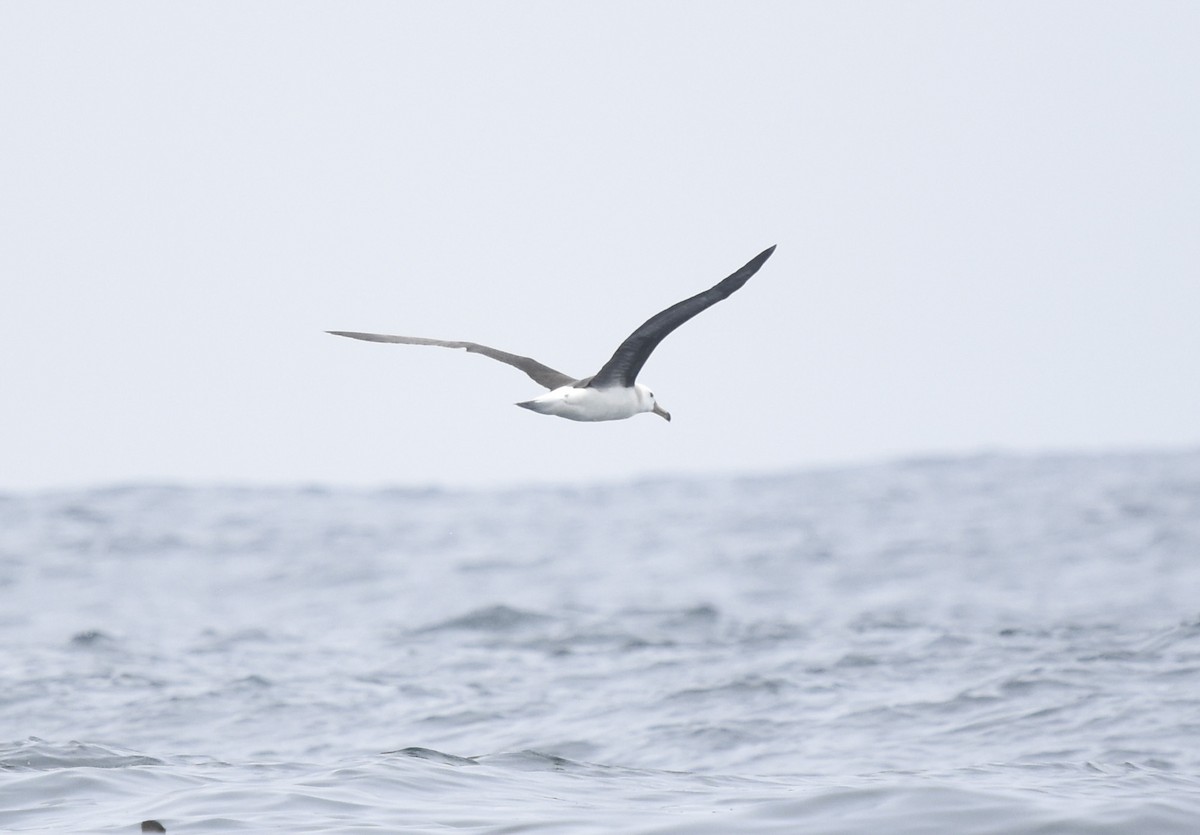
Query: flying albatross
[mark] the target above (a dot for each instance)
(612, 393)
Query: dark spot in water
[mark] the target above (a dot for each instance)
(490, 619)
(90, 638)
(153, 826)
(435, 756)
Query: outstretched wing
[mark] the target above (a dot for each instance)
(541, 374)
(622, 369)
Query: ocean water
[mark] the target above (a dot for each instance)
(995, 644)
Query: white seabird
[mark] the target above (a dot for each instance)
(612, 393)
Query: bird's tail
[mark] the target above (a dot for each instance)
(538, 405)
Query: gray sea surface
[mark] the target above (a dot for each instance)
(995, 644)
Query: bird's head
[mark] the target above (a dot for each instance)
(649, 404)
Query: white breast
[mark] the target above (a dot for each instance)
(590, 404)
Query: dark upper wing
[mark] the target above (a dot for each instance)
(622, 369)
(541, 374)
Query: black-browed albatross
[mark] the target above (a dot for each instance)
(612, 393)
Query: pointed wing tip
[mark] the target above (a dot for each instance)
(757, 261)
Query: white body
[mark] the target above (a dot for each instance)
(614, 403)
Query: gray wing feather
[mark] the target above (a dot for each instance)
(622, 369)
(543, 375)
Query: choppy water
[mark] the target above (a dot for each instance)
(984, 645)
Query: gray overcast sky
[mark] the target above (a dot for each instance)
(988, 219)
